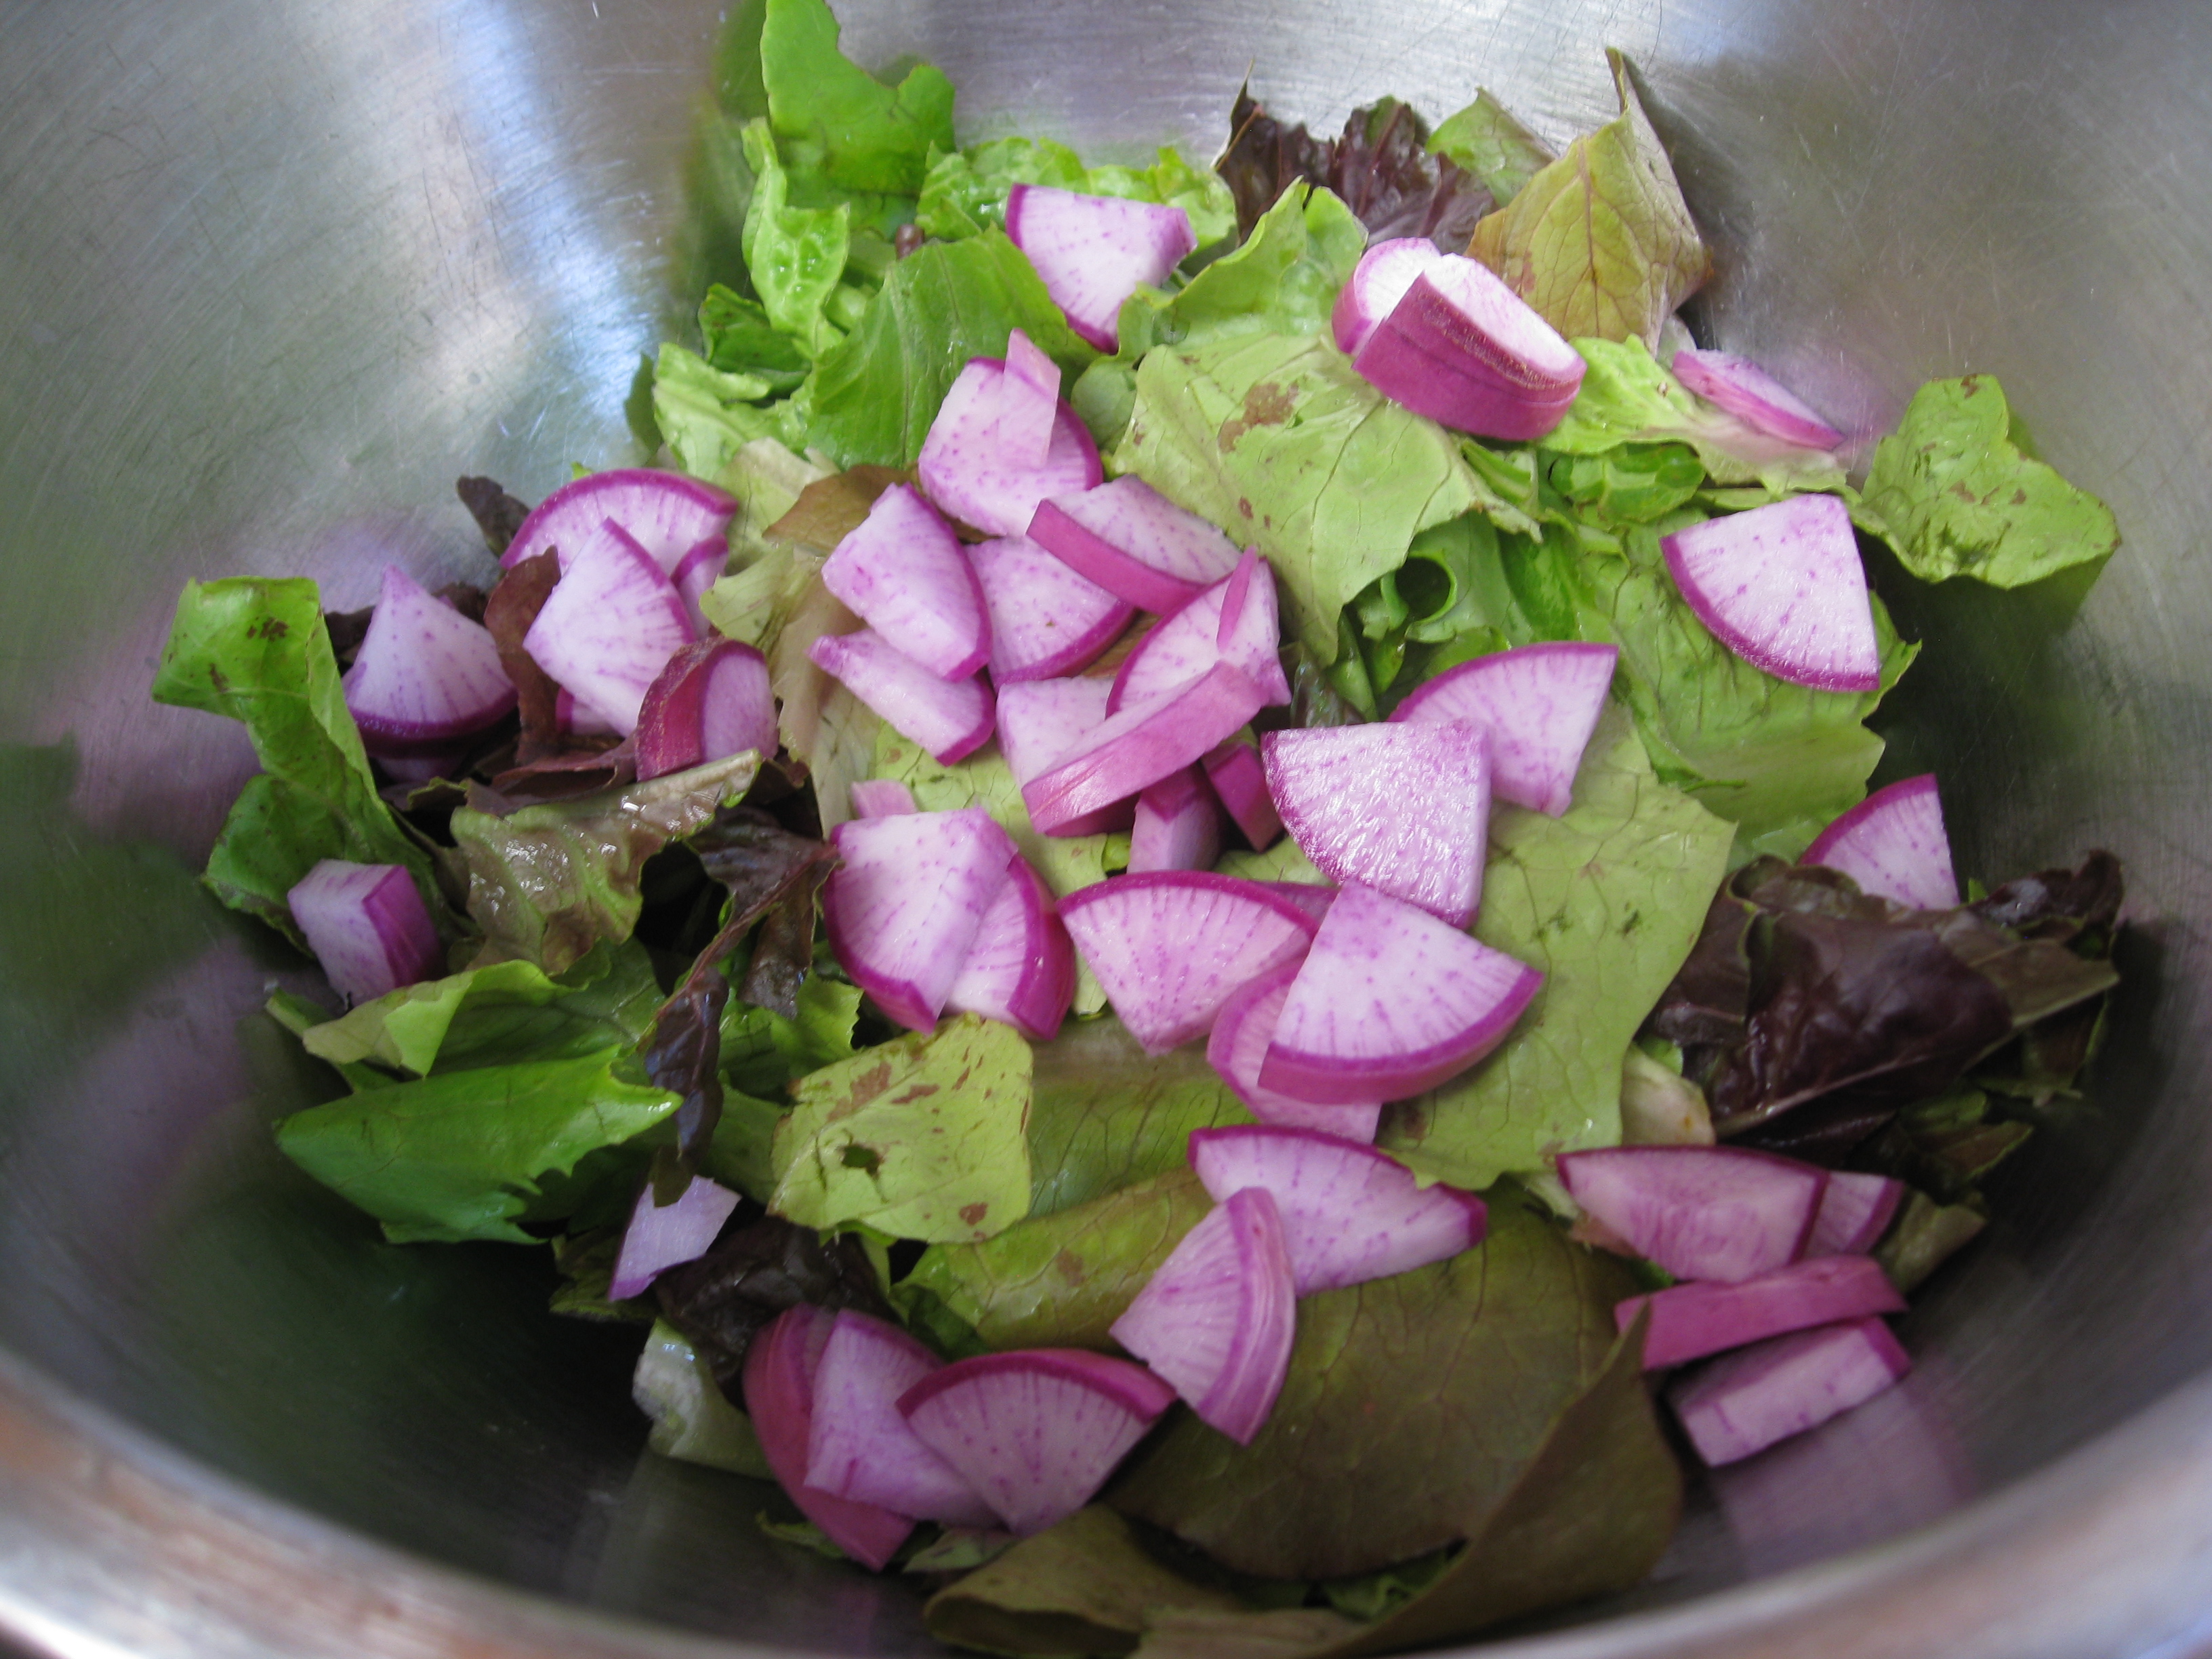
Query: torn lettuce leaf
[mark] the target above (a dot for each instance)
(965, 193)
(692, 1419)
(1487, 139)
(763, 1053)
(795, 255)
(863, 134)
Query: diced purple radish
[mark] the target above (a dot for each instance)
(780, 1368)
(1240, 784)
(368, 926)
(1390, 1001)
(1856, 1210)
(1141, 745)
(966, 471)
(1349, 1212)
(1745, 1401)
(1783, 587)
(1379, 283)
(952, 719)
(712, 701)
(579, 719)
(1094, 251)
(1237, 1047)
(424, 674)
(1893, 844)
(859, 1446)
(1170, 948)
(1037, 1431)
(1403, 809)
(1133, 542)
(662, 1236)
(905, 906)
(1040, 721)
(1752, 396)
(881, 797)
(1178, 825)
(1309, 896)
(1046, 621)
(668, 515)
(610, 626)
(1539, 704)
(698, 570)
(1722, 1212)
(1029, 399)
(1689, 1322)
(1021, 968)
(1204, 632)
(1463, 349)
(903, 572)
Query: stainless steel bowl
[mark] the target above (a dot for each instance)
(275, 273)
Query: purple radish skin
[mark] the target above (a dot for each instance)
(903, 572)
(1042, 721)
(881, 797)
(951, 719)
(424, 675)
(1178, 825)
(1747, 391)
(966, 471)
(859, 1446)
(1021, 967)
(1094, 251)
(368, 926)
(1134, 543)
(697, 571)
(661, 1236)
(1856, 1211)
(1237, 1047)
(1205, 632)
(1240, 784)
(1379, 283)
(712, 701)
(779, 1391)
(1781, 587)
(904, 907)
(610, 626)
(1540, 703)
(1689, 1322)
(1745, 1401)
(1712, 1212)
(666, 513)
(1894, 845)
(1141, 745)
(1046, 621)
(1464, 350)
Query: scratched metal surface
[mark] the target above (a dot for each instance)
(274, 273)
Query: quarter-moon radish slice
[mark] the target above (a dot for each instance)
(1689, 1322)
(1094, 251)
(1021, 968)
(1141, 745)
(1240, 783)
(1237, 1045)
(1752, 395)
(1463, 349)
(952, 719)
(366, 925)
(1216, 1319)
(904, 907)
(1029, 398)
(1178, 825)
(903, 572)
(1893, 844)
(1855, 1212)
(1390, 1001)
(1539, 704)
(610, 626)
(1133, 542)
(1745, 1401)
(1378, 282)
(1783, 587)
(1204, 632)
(712, 700)
(858, 1445)
(1046, 621)
(424, 675)
(967, 471)
(662, 1236)
(667, 513)
(1724, 1213)
(881, 797)
(1041, 721)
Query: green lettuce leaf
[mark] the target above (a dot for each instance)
(864, 135)
(795, 255)
(965, 193)
(692, 1419)
(706, 415)
(1485, 140)
(763, 1052)
(738, 338)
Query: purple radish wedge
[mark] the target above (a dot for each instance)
(903, 908)
(661, 1236)
(1216, 1318)
(903, 572)
(1139, 745)
(1689, 1322)
(1309, 896)
(1379, 283)
(712, 701)
(1893, 844)
(610, 626)
(368, 926)
(1178, 825)
(1205, 631)
(1040, 721)
(1540, 703)
(1349, 1212)
(1720, 1212)
(1463, 349)
(1134, 543)
(1021, 968)
(1240, 784)
(1752, 396)
(952, 719)
(881, 797)
(424, 675)
(697, 571)
(1390, 1001)
(1171, 947)
(1046, 621)
(1745, 1401)
(780, 1368)
(1029, 400)
(667, 513)
(858, 1444)
(1783, 587)
(1094, 251)
(967, 471)
(1037, 1431)
(1237, 1047)
(1855, 1212)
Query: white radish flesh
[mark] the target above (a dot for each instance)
(1133, 542)
(1540, 703)
(1029, 399)
(968, 472)
(1204, 632)
(951, 719)
(1689, 1322)
(368, 926)
(903, 908)
(1178, 825)
(424, 674)
(859, 1446)
(1094, 251)
(1041, 721)
(1139, 745)
(1783, 587)
(1464, 350)
(1719, 1212)
(903, 572)
(881, 797)
(1856, 1210)
(1894, 845)
(1046, 621)
(661, 1236)
(666, 513)
(610, 626)
(1237, 1047)
(712, 700)
(1752, 395)
(1021, 968)
(1379, 283)
(1745, 1401)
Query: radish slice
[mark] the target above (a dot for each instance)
(1021, 968)
(1855, 1212)
(368, 926)
(966, 470)
(903, 572)
(779, 1388)
(1722, 1213)
(609, 625)
(1141, 745)
(1216, 1319)
(1134, 542)
(1240, 784)
(667, 513)
(1539, 704)
(1463, 349)
(1094, 251)
(1170, 947)
(1046, 621)
(1745, 1401)
(1178, 825)
(858, 1445)
(1237, 1047)
(424, 675)
(881, 797)
(1783, 587)
(952, 719)
(1689, 1322)
(1402, 809)
(1752, 395)
(1379, 283)
(1035, 1432)
(1205, 632)
(580, 718)
(1350, 1213)
(1041, 720)
(712, 701)
(1390, 1001)
(660, 1235)
(699, 570)
(1308, 896)
(1029, 398)
(907, 902)
(1893, 844)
